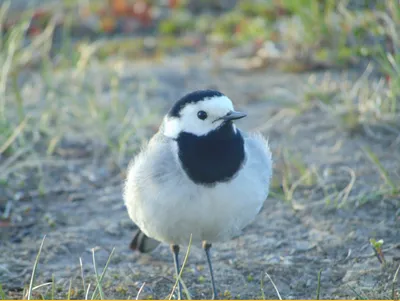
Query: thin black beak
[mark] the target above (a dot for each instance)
(232, 115)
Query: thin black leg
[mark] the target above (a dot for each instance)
(207, 247)
(175, 251)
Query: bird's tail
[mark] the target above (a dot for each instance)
(143, 243)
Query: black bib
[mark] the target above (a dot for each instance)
(215, 157)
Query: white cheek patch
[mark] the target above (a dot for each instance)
(188, 121)
(196, 126)
(172, 127)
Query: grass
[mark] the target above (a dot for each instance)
(318, 285)
(179, 277)
(389, 183)
(96, 294)
(362, 105)
(3, 295)
(51, 100)
(34, 127)
(99, 279)
(31, 123)
(30, 289)
(395, 295)
(274, 286)
(355, 109)
(98, 291)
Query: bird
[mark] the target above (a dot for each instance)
(199, 177)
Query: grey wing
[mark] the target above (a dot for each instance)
(258, 146)
(164, 160)
(157, 161)
(260, 158)
(152, 173)
(152, 167)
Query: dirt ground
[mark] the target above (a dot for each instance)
(291, 241)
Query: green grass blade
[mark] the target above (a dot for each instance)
(318, 284)
(102, 274)
(394, 283)
(3, 295)
(98, 284)
(17, 131)
(186, 290)
(384, 174)
(69, 290)
(262, 286)
(82, 275)
(180, 273)
(53, 287)
(34, 270)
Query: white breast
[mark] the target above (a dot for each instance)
(168, 206)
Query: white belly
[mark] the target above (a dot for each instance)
(179, 208)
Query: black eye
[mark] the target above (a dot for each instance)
(202, 115)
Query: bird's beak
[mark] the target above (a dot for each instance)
(233, 115)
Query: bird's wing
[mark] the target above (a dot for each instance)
(156, 163)
(260, 155)
(163, 156)
(259, 162)
(152, 176)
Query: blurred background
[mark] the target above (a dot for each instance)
(84, 84)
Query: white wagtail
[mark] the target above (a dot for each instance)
(198, 176)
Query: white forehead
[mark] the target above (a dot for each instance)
(215, 107)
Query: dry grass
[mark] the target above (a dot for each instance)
(49, 102)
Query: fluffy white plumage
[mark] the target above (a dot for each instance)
(168, 206)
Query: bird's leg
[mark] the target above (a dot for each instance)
(175, 251)
(207, 247)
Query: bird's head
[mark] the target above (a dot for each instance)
(200, 113)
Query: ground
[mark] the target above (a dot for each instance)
(291, 241)
(334, 184)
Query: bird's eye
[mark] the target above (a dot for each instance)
(202, 115)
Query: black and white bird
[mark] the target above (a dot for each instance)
(199, 176)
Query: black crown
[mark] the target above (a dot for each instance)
(192, 97)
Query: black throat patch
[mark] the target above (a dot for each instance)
(212, 158)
